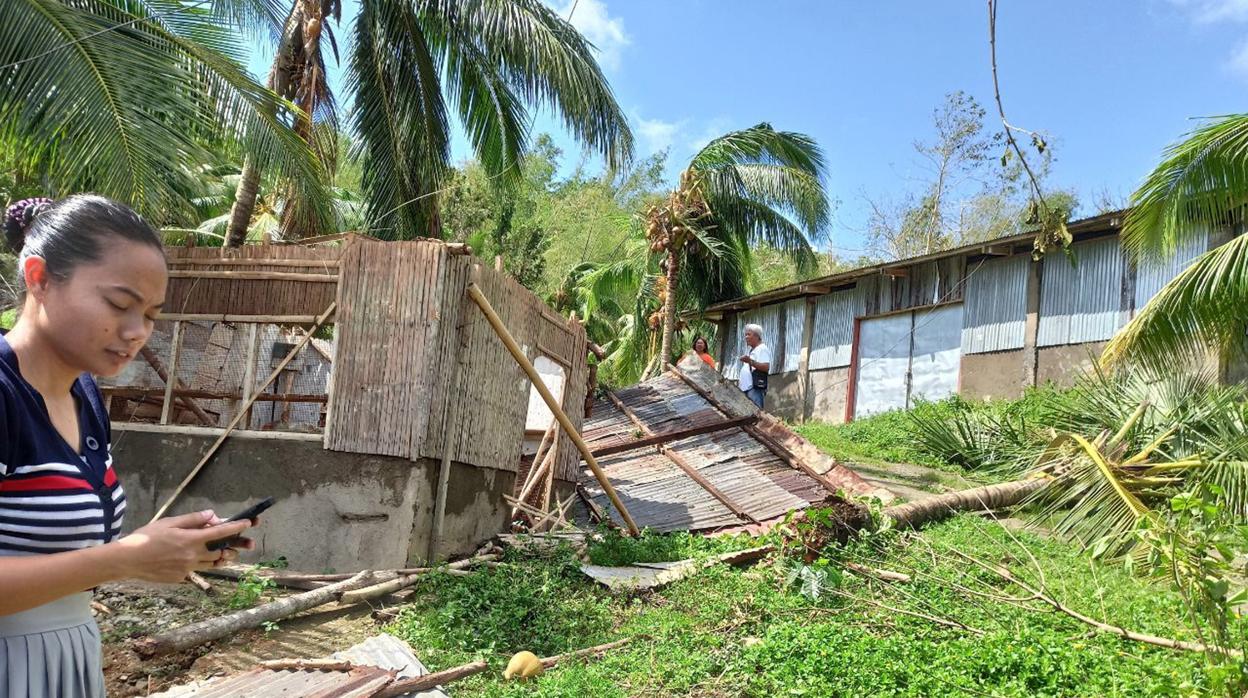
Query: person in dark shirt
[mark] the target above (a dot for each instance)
(92, 277)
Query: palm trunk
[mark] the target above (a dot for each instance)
(669, 307)
(249, 183)
(924, 511)
(244, 204)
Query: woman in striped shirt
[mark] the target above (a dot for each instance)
(92, 278)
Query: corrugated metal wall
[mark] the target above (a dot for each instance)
(1081, 303)
(794, 326)
(832, 342)
(768, 317)
(995, 308)
(1151, 276)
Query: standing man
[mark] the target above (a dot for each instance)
(753, 380)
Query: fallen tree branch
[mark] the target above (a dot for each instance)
(551, 662)
(308, 665)
(211, 629)
(885, 575)
(923, 511)
(939, 621)
(390, 586)
(1100, 626)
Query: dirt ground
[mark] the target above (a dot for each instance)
(138, 609)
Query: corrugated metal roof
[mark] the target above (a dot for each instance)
(659, 494)
(359, 682)
(794, 327)
(1081, 302)
(389, 652)
(1091, 225)
(995, 305)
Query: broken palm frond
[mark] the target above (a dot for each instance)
(431, 681)
(947, 622)
(1040, 594)
(216, 628)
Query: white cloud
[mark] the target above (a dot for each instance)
(605, 32)
(1238, 62)
(1208, 11)
(657, 134)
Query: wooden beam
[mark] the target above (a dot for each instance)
(803, 361)
(570, 429)
(214, 431)
(249, 369)
(254, 262)
(238, 416)
(794, 461)
(895, 272)
(215, 317)
(667, 437)
(680, 461)
(140, 393)
(997, 250)
(154, 361)
(166, 410)
(255, 276)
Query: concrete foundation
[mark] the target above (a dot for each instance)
(334, 511)
(1061, 365)
(828, 390)
(784, 397)
(997, 375)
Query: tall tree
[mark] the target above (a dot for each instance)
(127, 97)
(1200, 185)
(737, 191)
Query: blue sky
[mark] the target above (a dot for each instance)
(1112, 82)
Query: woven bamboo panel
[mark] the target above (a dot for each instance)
(389, 309)
(251, 296)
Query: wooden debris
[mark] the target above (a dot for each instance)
(200, 582)
(389, 587)
(648, 576)
(551, 662)
(154, 361)
(429, 681)
(307, 665)
(216, 628)
(538, 384)
(884, 575)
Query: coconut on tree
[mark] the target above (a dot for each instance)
(756, 186)
(414, 64)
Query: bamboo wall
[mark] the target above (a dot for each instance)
(241, 296)
(419, 369)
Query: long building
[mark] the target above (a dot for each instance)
(981, 320)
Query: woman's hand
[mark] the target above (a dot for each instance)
(167, 550)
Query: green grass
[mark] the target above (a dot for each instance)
(7, 318)
(747, 632)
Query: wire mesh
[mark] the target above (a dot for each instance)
(212, 370)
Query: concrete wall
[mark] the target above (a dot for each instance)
(993, 376)
(1063, 364)
(784, 398)
(828, 390)
(334, 511)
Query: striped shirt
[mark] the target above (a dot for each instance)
(53, 498)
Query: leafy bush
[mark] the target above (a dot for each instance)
(882, 437)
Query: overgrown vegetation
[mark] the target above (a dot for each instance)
(748, 632)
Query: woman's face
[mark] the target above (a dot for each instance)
(699, 345)
(99, 318)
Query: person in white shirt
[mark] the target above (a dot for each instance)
(753, 380)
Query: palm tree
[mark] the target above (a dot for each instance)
(128, 97)
(1201, 184)
(736, 192)
(490, 61)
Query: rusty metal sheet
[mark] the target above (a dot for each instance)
(359, 682)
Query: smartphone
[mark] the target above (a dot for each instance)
(250, 512)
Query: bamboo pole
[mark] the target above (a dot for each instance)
(249, 371)
(535, 477)
(154, 362)
(238, 416)
(166, 409)
(255, 262)
(518, 354)
(255, 276)
(218, 317)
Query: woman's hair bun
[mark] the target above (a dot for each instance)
(17, 219)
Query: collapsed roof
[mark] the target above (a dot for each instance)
(688, 451)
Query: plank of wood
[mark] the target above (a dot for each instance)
(668, 437)
(255, 276)
(230, 262)
(569, 428)
(166, 410)
(137, 393)
(238, 417)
